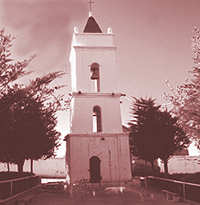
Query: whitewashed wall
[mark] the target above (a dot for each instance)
(83, 110)
(48, 168)
(112, 151)
(183, 164)
(88, 48)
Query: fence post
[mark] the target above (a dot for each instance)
(11, 188)
(145, 183)
(184, 197)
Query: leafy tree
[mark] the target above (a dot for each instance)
(10, 69)
(173, 137)
(27, 113)
(154, 133)
(27, 126)
(144, 113)
(186, 98)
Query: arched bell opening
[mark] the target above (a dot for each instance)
(95, 76)
(97, 121)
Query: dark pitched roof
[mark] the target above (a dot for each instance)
(92, 26)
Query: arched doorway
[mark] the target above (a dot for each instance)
(95, 170)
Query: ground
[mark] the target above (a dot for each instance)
(133, 194)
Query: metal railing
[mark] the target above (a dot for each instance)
(12, 187)
(188, 191)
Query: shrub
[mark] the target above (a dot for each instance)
(142, 170)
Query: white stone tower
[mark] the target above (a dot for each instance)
(97, 148)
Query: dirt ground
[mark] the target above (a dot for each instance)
(133, 194)
(112, 199)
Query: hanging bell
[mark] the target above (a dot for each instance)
(95, 74)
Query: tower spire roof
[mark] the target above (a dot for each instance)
(91, 25)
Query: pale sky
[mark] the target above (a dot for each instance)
(153, 39)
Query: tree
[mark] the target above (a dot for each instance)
(142, 112)
(173, 137)
(10, 69)
(155, 133)
(27, 126)
(27, 113)
(186, 98)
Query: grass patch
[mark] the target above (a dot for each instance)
(13, 175)
(191, 178)
(140, 169)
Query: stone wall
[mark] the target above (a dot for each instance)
(53, 167)
(183, 164)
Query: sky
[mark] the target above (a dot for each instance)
(153, 39)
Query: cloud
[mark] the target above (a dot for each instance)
(42, 26)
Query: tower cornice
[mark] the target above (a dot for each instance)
(96, 94)
(94, 34)
(93, 40)
(93, 47)
(92, 135)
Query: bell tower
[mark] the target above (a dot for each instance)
(97, 149)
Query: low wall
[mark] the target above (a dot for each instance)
(182, 164)
(53, 167)
(188, 191)
(11, 187)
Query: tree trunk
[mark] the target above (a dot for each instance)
(152, 165)
(8, 166)
(20, 165)
(145, 163)
(32, 166)
(166, 167)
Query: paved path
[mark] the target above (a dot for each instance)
(132, 195)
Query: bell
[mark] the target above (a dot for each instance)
(95, 74)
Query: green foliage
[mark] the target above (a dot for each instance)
(139, 169)
(154, 133)
(27, 127)
(143, 111)
(27, 113)
(10, 69)
(186, 98)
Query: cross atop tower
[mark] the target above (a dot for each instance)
(90, 2)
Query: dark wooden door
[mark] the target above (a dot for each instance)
(95, 173)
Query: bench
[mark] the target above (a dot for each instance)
(171, 195)
(25, 200)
